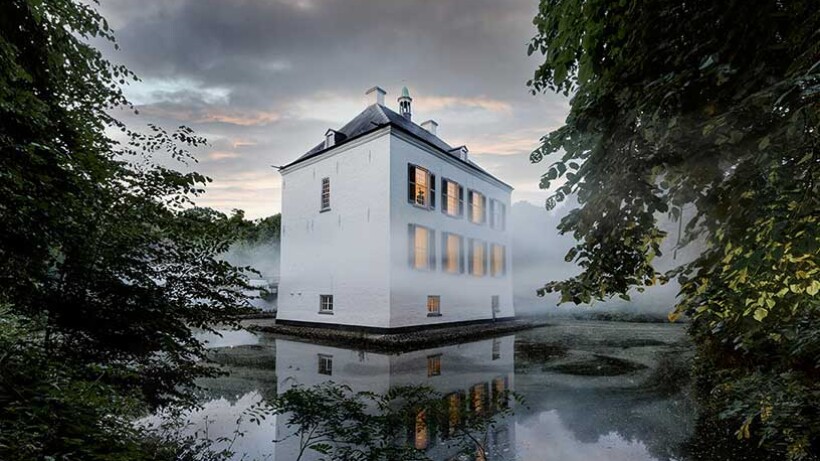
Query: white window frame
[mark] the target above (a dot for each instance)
(503, 270)
(458, 198)
(326, 304)
(429, 189)
(430, 260)
(445, 253)
(325, 364)
(498, 215)
(471, 204)
(471, 257)
(324, 199)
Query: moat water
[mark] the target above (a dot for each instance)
(584, 391)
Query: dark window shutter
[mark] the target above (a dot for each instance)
(444, 195)
(432, 191)
(411, 183)
(470, 256)
(492, 213)
(486, 259)
(445, 252)
(483, 209)
(461, 255)
(431, 248)
(460, 201)
(411, 245)
(470, 205)
(504, 260)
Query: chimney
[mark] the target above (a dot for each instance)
(375, 95)
(431, 126)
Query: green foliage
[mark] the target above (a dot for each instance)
(102, 260)
(336, 422)
(713, 107)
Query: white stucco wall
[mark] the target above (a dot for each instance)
(344, 251)
(464, 296)
(358, 251)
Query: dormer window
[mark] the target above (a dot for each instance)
(462, 153)
(330, 139)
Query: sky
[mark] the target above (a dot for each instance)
(263, 80)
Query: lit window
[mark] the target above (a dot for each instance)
(325, 304)
(478, 205)
(325, 364)
(499, 393)
(422, 250)
(478, 257)
(478, 398)
(452, 249)
(421, 187)
(421, 438)
(453, 412)
(434, 365)
(452, 198)
(498, 215)
(325, 194)
(499, 260)
(433, 306)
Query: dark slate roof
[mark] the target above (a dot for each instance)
(377, 116)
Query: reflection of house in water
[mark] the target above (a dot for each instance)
(472, 377)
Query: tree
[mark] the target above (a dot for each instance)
(708, 110)
(102, 260)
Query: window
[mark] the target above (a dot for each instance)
(453, 412)
(325, 364)
(452, 198)
(495, 303)
(433, 306)
(325, 304)
(325, 194)
(478, 398)
(452, 249)
(498, 266)
(421, 187)
(498, 215)
(496, 349)
(477, 206)
(499, 393)
(434, 365)
(421, 434)
(422, 248)
(478, 257)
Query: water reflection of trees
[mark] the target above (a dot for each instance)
(405, 423)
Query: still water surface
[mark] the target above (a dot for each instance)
(589, 391)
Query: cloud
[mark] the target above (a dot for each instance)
(208, 114)
(475, 102)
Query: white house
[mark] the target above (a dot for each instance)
(386, 227)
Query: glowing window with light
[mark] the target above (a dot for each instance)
(453, 412)
(478, 257)
(498, 260)
(434, 365)
(421, 432)
(453, 198)
(478, 205)
(422, 254)
(434, 305)
(478, 398)
(451, 256)
(421, 187)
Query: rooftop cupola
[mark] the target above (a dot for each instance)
(404, 103)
